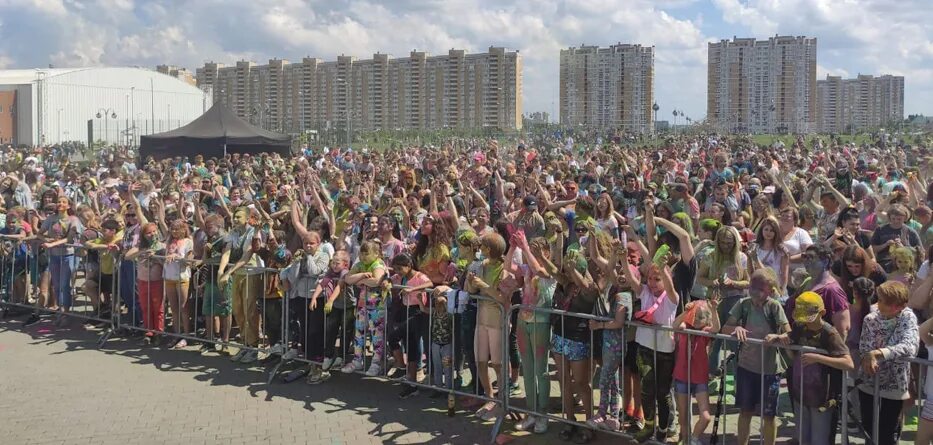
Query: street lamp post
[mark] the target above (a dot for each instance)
(106, 114)
(655, 108)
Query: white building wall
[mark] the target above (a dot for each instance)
(143, 101)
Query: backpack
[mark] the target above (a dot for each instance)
(745, 306)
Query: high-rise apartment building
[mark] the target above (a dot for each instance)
(865, 102)
(610, 87)
(762, 86)
(178, 73)
(456, 90)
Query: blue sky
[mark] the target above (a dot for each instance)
(854, 36)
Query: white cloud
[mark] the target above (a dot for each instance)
(854, 36)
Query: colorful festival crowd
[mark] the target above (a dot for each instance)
(460, 266)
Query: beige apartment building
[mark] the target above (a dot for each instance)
(178, 73)
(609, 87)
(762, 86)
(866, 102)
(456, 90)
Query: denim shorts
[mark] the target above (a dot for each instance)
(748, 391)
(680, 387)
(570, 349)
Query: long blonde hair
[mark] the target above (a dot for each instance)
(720, 259)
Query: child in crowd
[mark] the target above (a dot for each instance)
(757, 383)
(339, 302)
(179, 250)
(412, 327)
(889, 335)
(327, 290)
(366, 275)
(813, 386)
(441, 350)
(149, 280)
(276, 257)
(691, 365)
(100, 288)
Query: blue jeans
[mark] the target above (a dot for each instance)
(60, 270)
(127, 286)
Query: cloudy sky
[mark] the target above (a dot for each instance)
(854, 36)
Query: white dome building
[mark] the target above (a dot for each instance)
(113, 104)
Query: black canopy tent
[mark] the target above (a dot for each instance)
(215, 133)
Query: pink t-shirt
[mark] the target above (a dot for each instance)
(417, 279)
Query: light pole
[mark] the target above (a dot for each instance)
(169, 124)
(655, 108)
(59, 125)
(106, 114)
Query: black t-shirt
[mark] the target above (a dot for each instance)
(886, 233)
(683, 276)
(627, 202)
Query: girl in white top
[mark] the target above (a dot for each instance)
(179, 250)
(770, 252)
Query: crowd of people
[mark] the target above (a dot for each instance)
(402, 263)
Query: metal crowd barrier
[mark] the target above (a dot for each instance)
(25, 274)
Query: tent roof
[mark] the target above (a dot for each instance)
(219, 122)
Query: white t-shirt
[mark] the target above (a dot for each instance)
(661, 341)
(799, 241)
(772, 259)
(178, 269)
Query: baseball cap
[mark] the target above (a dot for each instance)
(807, 307)
(530, 201)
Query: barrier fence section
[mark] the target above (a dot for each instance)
(310, 328)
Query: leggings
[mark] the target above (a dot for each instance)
(412, 329)
(657, 372)
(889, 426)
(609, 394)
(272, 320)
(370, 321)
(464, 327)
(314, 334)
(534, 340)
(339, 323)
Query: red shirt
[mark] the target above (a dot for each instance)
(699, 367)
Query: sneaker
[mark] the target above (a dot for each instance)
(180, 344)
(408, 391)
(33, 319)
(515, 390)
(249, 357)
(610, 424)
(320, 378)
(314, 374)
(352, 367)
(328, 362)
(492, 414)
(396, 373)
(291, 354)
(338, 362)
(541, 425)
(595, 422)
(695, 441)
(527, 423)
(645, 434)
(277, 349)
(239, 355)
(374, 370)
(636, 425)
